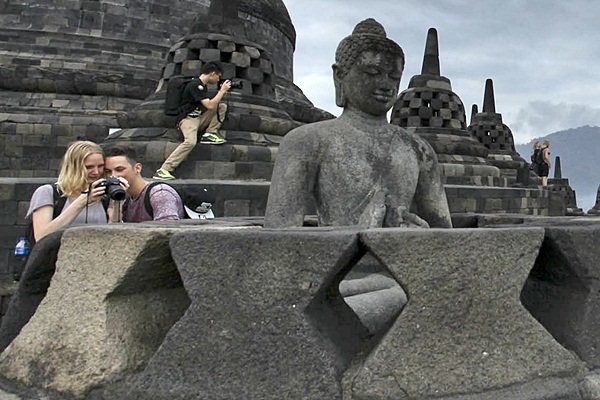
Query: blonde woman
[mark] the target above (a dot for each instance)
(544, 167)
(82, 169)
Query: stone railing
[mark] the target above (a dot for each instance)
(223, 311)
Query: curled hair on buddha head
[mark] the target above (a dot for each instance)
(367, 35)
(72, 178)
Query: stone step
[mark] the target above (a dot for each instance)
(476, 181)
(531, 201)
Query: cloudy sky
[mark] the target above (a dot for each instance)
(543, 55)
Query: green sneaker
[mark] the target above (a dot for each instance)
(163, 175)
(212, 138)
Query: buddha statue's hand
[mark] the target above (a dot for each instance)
(402, 218)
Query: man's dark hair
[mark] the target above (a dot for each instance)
(117, 150)
(211, 66)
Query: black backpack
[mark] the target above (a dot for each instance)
(147, 204)
(57, 207)
(539, 157)
(174, 104)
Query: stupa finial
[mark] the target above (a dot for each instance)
(489, 104)
(431, 59)
(557, 169)
(474, 110)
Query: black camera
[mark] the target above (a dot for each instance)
(235, 84)
(114, 190)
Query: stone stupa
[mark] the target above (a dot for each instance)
(429, 108)
(69, 67)
(596, 209)
(254, 41)
(474, 182)
(487, 127)
(561, 185)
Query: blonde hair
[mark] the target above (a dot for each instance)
(72, 178)
(546, 143)
(536, 144)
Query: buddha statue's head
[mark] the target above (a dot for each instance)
(367, 70)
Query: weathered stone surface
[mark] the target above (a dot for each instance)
(32, 287)
(266, 320)
(463, 329)
(563, 290)
(114, 295)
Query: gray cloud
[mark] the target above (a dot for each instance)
(541, 54)
(547, 117)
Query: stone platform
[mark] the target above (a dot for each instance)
(244, 198)
(262, 316)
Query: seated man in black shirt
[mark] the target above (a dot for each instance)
(204, 117)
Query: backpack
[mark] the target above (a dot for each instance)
(147, 204)
(58, 203)
(174, 104)
(206, 213)
(539, 157)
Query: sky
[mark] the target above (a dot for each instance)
(542, 55)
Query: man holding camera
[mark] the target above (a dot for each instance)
(204, 116)
(165, 202)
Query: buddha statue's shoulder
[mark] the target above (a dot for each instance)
(313, 132)
(419, 145)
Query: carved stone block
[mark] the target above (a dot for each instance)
(463, 329)
(240, 59)
(266, 319)
(114, 295)
(210, 55)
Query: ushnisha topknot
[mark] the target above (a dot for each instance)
(369, 27)
(367, 35)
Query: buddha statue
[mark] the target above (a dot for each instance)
(358, 169)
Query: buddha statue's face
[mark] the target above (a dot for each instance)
(372, 82)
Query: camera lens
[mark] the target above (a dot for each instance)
(114, 189)
(115, 192)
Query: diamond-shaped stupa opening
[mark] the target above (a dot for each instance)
(373, 293)
(358, 305)
(554, 292)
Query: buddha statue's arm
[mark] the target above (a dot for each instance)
(292, 183)
(430, 201)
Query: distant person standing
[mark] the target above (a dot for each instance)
(544, 165)
(535, 154)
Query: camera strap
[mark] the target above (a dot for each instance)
(87, 202)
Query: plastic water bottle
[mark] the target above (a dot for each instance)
(23, 246)
(22, 250)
